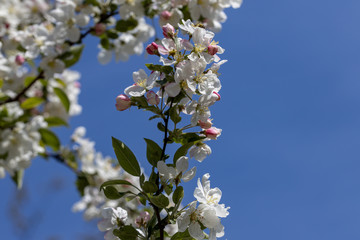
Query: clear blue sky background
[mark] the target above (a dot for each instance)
(288, 161)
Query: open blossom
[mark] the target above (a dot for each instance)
(178, 172)
(142, 84)
(199, 151)
(212, 132)
(112, 217)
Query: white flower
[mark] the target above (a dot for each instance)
(199, 151)
(142, 84)
(187, 26)
(177, 173)
(112, 217)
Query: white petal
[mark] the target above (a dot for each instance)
(105, 225)
(195, 231)
(172, 89)
(182, 164)
(189, 175)
(135, 91)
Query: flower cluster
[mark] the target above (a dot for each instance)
(186, 82)
(93, 169)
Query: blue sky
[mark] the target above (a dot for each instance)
(288, 161)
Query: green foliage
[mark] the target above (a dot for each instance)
(81, 183)
(126, 25)
(160, 200)
(149, 187)
(127, 232)
(126, 158)
(160, 68)
(72, 56)
(182, 151)
(153, 152)
(161, 126)
(178, 194)
(28, 80)
(63, 98)
(50, 139)
(55, 122)
(31, 103)
(175, 115)
(111, 193)
(115, 182)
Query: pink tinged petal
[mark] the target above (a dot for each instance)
(168, 44)
(135, 91)
(163, 51)
(173, 89)
(195, 231)
(189, 175)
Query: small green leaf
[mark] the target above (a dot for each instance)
(126, 158)
(178, 194)
(153, 152)
(168, 189)
(105, 43)
(74, 56)
(63, 98)
(111, 33)
(111, 193)
(149, 187)
(161, 126)
(81, 184)
(182, 151)
(126, 233)
(1, 82)
(31, 103)
(126, 25)
(160, 201)
(28, 80)
(55, 122)
(115, 182)
(174, 115)
(50, 139)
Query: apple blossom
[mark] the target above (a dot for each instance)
(123, 102)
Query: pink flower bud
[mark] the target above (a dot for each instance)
(77, 84)
(166, 15)
(99, 29)
(212, 132)
(152, 98)
(205, 125)
(19, 59)
(213, 49)
(168, 30)
(152, 49)
(123, 102)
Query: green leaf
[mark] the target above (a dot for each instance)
(182, 151)
(178, 194)
(1, 82)
(126, 158)
(28, 80)
(55, 122)
(126, 25)
(160, 201)
(149, 187)
(105, 43)
(50, 139)
(31, 102)
(63, 98)
(126, 233)
(74, 56)
(153, 152)
(115, 182)
(161, 126)
(182, 236)
(18, 178)
(168, 189)
(81, 184)
(111, 33)
(174, 115)
(111, 193)
(190, 137)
